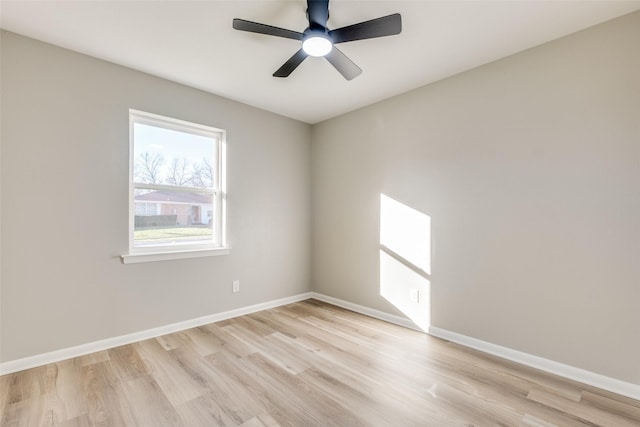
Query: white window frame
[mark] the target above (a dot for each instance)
(187, 250)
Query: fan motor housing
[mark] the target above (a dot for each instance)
(316, 43)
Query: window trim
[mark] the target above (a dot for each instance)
(186, 250)
(166, 256)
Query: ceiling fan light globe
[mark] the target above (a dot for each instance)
(317, 46)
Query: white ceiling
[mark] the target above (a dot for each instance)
(192, 42)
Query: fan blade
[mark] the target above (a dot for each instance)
(255, 27)
(291, 64)
(379, 27)
(344, 65)
(318, 11)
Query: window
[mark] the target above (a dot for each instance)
(145, 209)
(176, 188)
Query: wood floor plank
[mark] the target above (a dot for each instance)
(81, 421)
(483, 388)
(255, 325)
(379, 412)
(127, 363)
(302, 364)
(268, 420)
(206, 411)
(585, 412)
(56, 409)
(228, 342)
(531, 421)
(270, 349)
(97, 357)
(225, 391)
(253, 422)
(318, 409)
(278, 322)
(511, 374)
(328, 359)
(25, 385)
(279, 402)
(69, 375)
(177, 385)
(203, 343)
(615, 397)
(150, 406)
(610, 405)
(106, 403)
(173, 341)
(4, 392)
(25, 413)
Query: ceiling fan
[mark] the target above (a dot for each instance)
(318, 40)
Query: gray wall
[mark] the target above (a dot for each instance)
(65, 204)
(529, 168)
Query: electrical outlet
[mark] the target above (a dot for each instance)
(415, 295)
(236, 286)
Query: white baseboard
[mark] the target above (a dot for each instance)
(591, 378)
(570, 372)
(586, 377)
(83, 349)
(391, 318)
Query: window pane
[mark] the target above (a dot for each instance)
(145, 209)
(172, 217)
(165, 156)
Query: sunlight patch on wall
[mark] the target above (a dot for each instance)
(406, 232)
(405, 260)
(399, 283)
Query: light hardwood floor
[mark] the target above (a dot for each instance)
(304, 364)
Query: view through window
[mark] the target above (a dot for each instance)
(176, 175)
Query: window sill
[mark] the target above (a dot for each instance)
(167, 256)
